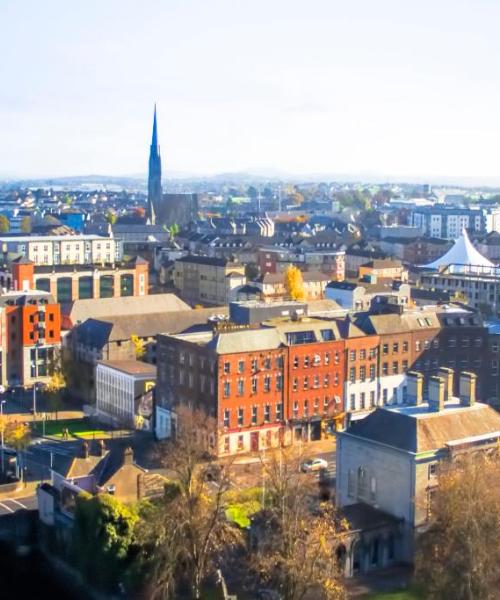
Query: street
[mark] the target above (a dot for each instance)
(9, 506)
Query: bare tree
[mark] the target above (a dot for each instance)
(459, 555)
(188, 533)
(299, 535)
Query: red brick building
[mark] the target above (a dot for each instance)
(265, 387)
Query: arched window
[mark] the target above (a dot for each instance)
(107, 286)
(85, 288)
(64, 289)
(126, 285)
(362, 483)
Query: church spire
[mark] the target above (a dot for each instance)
(154, 176)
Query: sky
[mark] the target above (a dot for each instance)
(362, 87)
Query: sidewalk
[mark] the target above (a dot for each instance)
(308, 449)
(25, 490)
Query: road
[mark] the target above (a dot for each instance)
(8, 506)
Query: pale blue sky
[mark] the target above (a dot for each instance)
(396, 87)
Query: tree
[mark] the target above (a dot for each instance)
(4, 224)
(26, 224)
(54, 391)
(187, 532)
(173, 230)
(17, 435)
(459, 555)
(297, 198)
(294, 283)
(300, 536)
(139, 346)
(104, 538)
(111, 217)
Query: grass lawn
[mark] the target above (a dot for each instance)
(79, 427)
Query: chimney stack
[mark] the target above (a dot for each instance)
(414, 388)
(128, 456)
(447, 375)
(85, 450)
(467, 388)
(436, 393)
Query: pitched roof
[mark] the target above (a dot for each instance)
(80, 310)
(253, 340)
(415, 429)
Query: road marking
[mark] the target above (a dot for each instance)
(16, 502)
(6, 507)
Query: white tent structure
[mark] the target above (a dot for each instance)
(462, 257)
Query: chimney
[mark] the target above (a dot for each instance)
(467, 388)
(447, 375)
(85, 450)
(414, 388)
(128, 456)
(100, 448)
(436, 393)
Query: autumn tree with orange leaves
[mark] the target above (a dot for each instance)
(294, 283)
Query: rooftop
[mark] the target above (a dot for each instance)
(130, 367)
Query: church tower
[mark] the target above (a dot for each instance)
(154, 176)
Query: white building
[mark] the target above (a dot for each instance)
(124, 393)
(63, 249)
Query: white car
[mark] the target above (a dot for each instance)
(314, 464)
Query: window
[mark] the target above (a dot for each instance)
(241, 387)
(362, 373)
(326, 403)
(418, 346)
(435, 343)
(362, 354)
(452, 343)
(240, 443)
(336, 379)
(327, 358)
(372, 398)
(362, 400)
(465, 342)
(279, 382)
(395, 347)
(226, 417)
(385, 369)
(478, 342)
(267, 364)
(295, 384)
(316, 406)
(395, 367)
(254, 415)
(352, 374)
(326, 380)
(279, 362)
(306, 361)
(352, 355)
(295, 362)
(227, 389)
(254, 365)
(254, 385)
(395, 395)
(240, 417)
(372, 372)
(337, 358)
(316, 381)
(295, 409)
(306, 383)
(306, 408)
(432, 470)
(267, 413)
(362, 483)
(267, 383)
(384, 395)
(279, 411)
(227, 368)
(373, 489)
(405, 366)
(351, 483)
(241, 366)
(352, 401)
(385, 349)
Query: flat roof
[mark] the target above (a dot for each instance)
(423, 411)
(130, 367)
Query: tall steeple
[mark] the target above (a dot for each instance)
(154, 176)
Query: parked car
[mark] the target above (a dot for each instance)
(314, 464)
